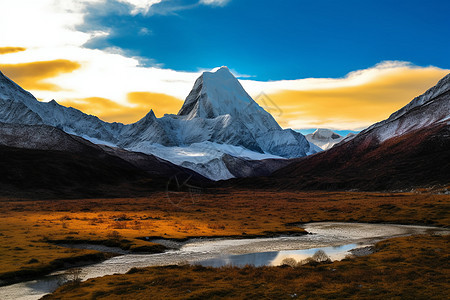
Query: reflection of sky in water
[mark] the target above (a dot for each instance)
(32, 290)
(275, 258)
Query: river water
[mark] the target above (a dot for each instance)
(335, 239)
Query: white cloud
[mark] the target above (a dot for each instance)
(140, 6)
(215, 2)
(42, 23)
(145, 31)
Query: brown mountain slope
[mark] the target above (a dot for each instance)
(418, 159)
(40, 161)
(409, 149)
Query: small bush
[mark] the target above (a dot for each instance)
(289, 261)
(95, 221)
(114, 235)
(136, 225)
(122, 217)
(73, 277)
(216, 226)
(134, 270)
(119, 225)
(33, 261)
(98, 294)
(321, 256)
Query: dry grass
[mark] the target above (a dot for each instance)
(27, 226)
(402, 268)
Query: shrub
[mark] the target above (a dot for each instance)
(120, 225)
(73, 277)
(122, 217)
(33, 261)
(321, 256)
(134, 270)
(289, 261)
(114, 235)
(136, 225)
(216, 226)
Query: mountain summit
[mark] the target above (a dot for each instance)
(215, 94)
(220, 93)
(218, 121)
(324, 138)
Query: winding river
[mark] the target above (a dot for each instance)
(336, 239)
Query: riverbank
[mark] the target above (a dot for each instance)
(423, 275)
(26, 274)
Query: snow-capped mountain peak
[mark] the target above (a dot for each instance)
(324, 138)
(322, 134)
(219, 93)
(149, 116)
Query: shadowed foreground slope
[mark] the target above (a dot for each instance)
(40, 161)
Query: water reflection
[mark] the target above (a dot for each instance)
(275, 258)
(32, 290)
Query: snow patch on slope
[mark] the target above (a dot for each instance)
(205, 158)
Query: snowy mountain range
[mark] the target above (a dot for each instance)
(218, 125)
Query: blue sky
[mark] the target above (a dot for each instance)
(341, 132)
(342, 65)
(274, 40)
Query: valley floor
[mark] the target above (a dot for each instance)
(30, 229)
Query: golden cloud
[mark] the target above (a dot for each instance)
(355, 106)
(111, 111)
(6, 50)
(160, 103)
(106, 109)
(32, 75)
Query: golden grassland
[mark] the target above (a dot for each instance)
(28, 229)
(414, 267)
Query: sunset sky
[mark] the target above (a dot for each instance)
(330, 64)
